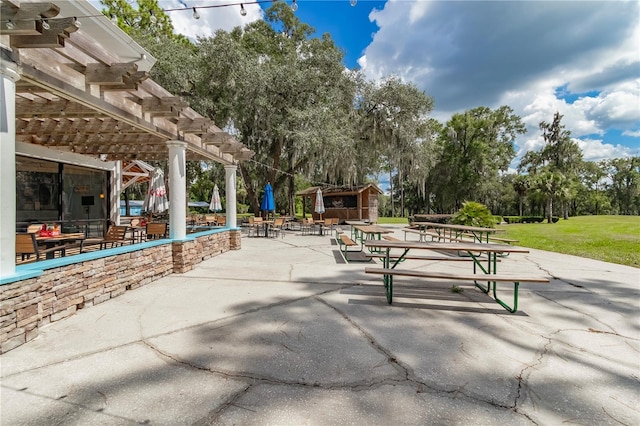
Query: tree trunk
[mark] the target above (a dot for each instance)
(520, 206)
(251, 195)
(550, 210)
(400, 178)
(391, 194)
(292, 196)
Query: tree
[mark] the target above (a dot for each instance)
(551, 185)
(287, 97)
(394, 126)
(521, 185)
(624, 174)
(476, 146)
(560, 155)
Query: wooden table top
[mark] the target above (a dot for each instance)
(457, 227)
(475, 247)
(61, 237)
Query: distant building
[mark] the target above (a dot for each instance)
(346, 203)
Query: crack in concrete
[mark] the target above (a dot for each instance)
(525, 374)
(576, 310)
(411, 378)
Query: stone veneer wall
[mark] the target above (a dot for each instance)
(59, 292)
(187, 254)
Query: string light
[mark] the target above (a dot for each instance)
(10, 24)
(314, 183)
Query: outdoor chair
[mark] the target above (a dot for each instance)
(329, 224)
(211, 219)
(307, 226)
(116, 236)
(277, 228)
(27, 245)
(254, 225)
(221, 221)
(156, 230)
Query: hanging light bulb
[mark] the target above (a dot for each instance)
(114, 19)
(196, 15)
(76, 23)
(294, 5)
(243, 12)
(152, 17)
(45, 24)
(353, 2)
(9, 24)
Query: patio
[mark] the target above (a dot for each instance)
(281, 333)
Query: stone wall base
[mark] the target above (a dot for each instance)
(60, 292)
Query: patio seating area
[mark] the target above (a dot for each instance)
(285, 332)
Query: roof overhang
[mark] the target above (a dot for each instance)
(334, 191)
(87, 89)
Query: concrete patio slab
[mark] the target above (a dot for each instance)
(283, 333)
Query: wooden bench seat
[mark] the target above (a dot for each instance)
(418, 257)
(345, 242)
(503, 240)
(516, 279)
(434, 235)
(390, 238)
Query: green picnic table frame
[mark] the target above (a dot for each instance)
(474, 250)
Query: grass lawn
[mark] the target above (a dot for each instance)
(614, 239)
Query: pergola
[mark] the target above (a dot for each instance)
(75, 88)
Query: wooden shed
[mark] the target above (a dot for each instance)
(346, 203)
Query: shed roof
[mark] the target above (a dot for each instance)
(334, 190)
(87, 89)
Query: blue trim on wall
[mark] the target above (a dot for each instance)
(35, 269)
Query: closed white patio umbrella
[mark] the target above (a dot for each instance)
(156, 200)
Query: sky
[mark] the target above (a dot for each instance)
(580, 58)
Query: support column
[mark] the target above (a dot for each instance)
(116, 189)
(8, 77)
(177, 190)
(230, 188)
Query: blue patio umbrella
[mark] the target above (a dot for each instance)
(268, 203)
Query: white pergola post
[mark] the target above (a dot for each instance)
(116, 189)
(177, 190)
(8, 77)
(230, 183)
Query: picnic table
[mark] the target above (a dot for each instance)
(369, 233)
(453, 232)
(68, 240)
(482, 271)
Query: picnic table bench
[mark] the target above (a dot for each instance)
(344, 241)
(423, 233)
(481, 272)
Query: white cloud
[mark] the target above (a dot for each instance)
(470, 54)
(596, 150)
(211, 18)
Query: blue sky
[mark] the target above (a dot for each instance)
(581, 58)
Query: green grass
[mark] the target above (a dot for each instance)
(613, 239)
(394, 220)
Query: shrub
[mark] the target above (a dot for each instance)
(474, 214)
